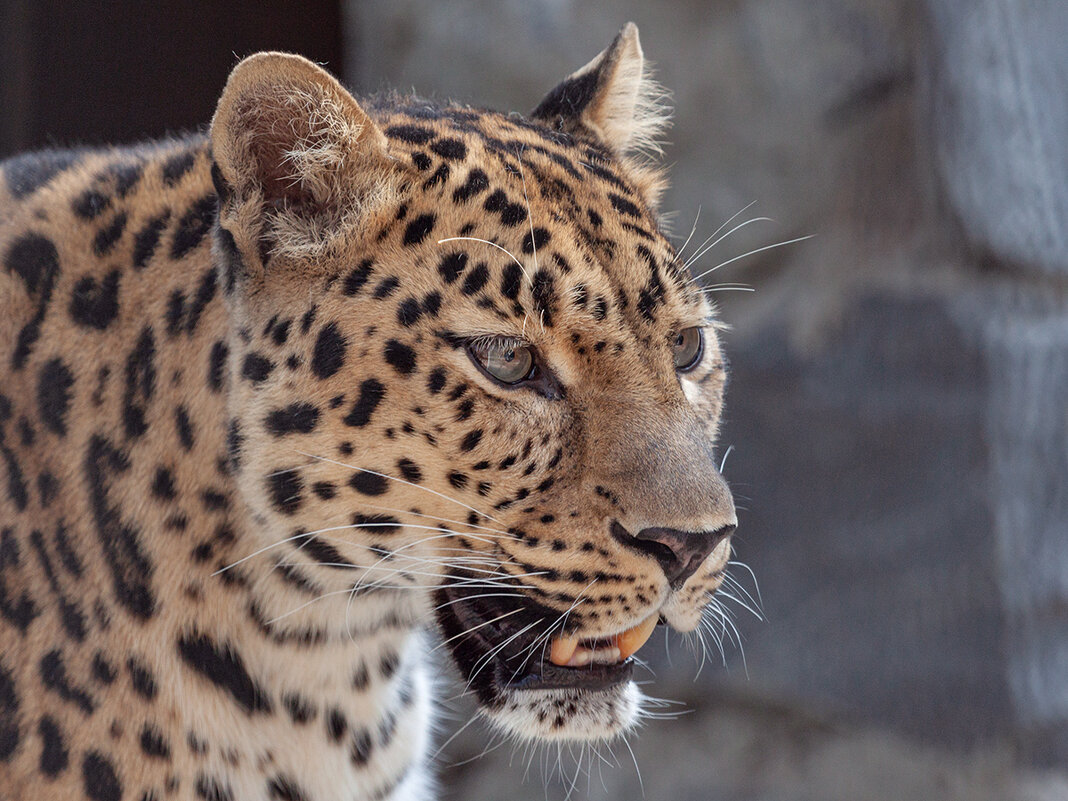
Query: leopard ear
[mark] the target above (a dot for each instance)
(612, 97)
(297, 159)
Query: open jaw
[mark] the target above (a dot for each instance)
(532, 680)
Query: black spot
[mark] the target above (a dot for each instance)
(234, 440)
(329, 353)
(130, 569)
(285, 789)
(458, 480)
(256, 368)
(539, 239)
(308, 318)
(175, 312)
(223, 667)
(141, 678)
(452, 265)
(102, 670)
(281, 332)
(153, 743)
(101, 781)
(53, 395)
(48, 487)
(300, 711)
(210, 789)
(511, 281)
(204, 295)
(90, 204)
(362, 746)
(27, 173)
(9, 713)
(53, 673)
(177, 166)
(410, 470)
(324, 553)
(413, 134)
(34, 259)
(511, 213)
(67, 555)
(409, 312)
(184, 427)
(371, 394)
(163, 484)
(296, 418)
(464, 410)
(216, 365)
(54, 757)
(106, 238)
(476, 280)
(356, 279)
(624, 206)
(544, 294)
(16, 488)
(285, 489)
(471, 440)
(95, 305)
(147, 239)
(432, 303)
(361, 679)
(193, 225)
(449, 149)
(325, 490)
(440, 176)
(421, 161)
(140, 384)
(369, 483)
(386, 287)
(477, 181)
(400, 357)
(419, 229)
(600, 309)
(435, 382)
(388, 664)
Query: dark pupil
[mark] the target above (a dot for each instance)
(509, 355)
(679, 341)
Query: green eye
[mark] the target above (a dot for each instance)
(689, 347)
(504, 359)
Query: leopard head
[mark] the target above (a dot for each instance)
(472, 379)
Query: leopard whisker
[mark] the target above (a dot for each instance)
(753, 252)
(713, 240)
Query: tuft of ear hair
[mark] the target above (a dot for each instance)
(301, 160)
(613, 97)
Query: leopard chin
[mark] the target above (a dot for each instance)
(568, 714)
(534, 681)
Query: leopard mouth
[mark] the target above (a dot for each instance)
(502, 646)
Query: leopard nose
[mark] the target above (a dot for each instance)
(679, 553)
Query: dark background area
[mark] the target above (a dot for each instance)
(107, 72)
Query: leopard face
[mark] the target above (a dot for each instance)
(471, 377)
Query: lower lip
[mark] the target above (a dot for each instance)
(593, 677)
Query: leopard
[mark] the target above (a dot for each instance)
(310, 413)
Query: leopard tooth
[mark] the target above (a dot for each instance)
(563, 648)
(632, 639)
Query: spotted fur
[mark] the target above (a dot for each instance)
(244, 449)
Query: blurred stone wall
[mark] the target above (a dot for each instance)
(899, 401)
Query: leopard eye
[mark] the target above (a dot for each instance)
(689, 347)
(504, 359)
